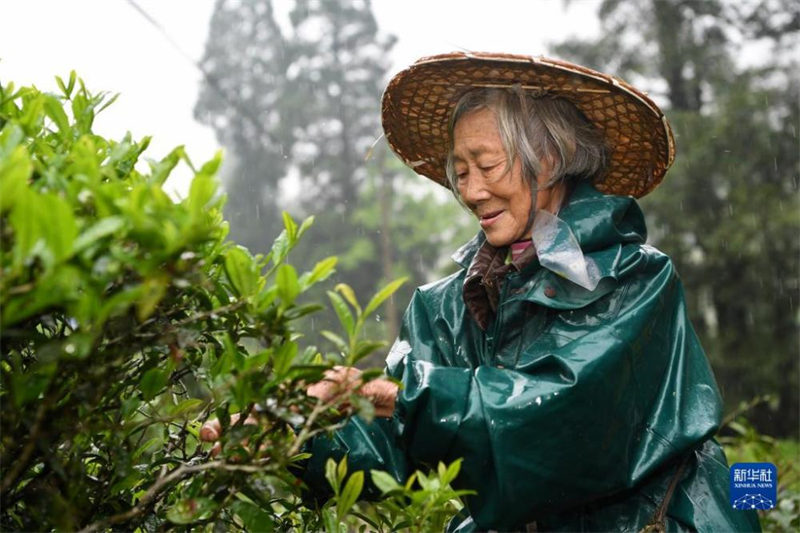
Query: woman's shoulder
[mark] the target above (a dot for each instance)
(637, 260)
(443, 287)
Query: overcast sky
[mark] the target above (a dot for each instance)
(114, 48)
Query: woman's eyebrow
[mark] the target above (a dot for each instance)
(478, 150)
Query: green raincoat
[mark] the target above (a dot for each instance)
(574, 409)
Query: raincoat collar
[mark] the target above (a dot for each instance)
(600, 225)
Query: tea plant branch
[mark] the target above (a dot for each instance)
(19, 289)
(743, 408)
(175, 325)
(306, 432)
(161, 483)
(209, 314)
(22, 461)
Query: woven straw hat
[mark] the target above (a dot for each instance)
(418, 102)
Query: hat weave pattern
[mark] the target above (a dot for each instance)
(418, 102)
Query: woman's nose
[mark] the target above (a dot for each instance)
(473, 189)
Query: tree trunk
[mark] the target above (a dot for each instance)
(386, 193)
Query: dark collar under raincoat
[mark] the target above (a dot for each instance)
(574, 409)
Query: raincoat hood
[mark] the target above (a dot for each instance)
(596, 220)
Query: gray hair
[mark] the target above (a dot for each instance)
(533, 128)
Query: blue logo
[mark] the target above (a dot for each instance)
(754, 486)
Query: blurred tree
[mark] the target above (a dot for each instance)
(301, 100)
(338, 73)
(246, 98)
(728, 212)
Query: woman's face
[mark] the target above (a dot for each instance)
(494, 191)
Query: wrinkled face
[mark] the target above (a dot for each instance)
(492, 189)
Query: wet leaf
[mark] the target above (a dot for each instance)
(350, 493)
(383, 294)
(240, 269)
(343, 312)
(152, 382)
(191, 510)
(288, 285)
(385, 482)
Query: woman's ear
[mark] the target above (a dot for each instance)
(545, 171)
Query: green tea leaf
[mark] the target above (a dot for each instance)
(303, 310)
(61, 86)
(385, 482)
(191, 510)
(330, 475)
(364, 348)
(153, 290)
(451, 472)
(291, 226)
(211, 166)
(60, 229)
(186, 406)
(307, 223)
(383, 294)
(341, 345)
(280, 248)
(106, 226)
(28, 387)
(350, 296)
(322, 270)
(72, 77)
(55, 111)
(330, 521)
(288, 285)
(284, 356)
(240, 269)
(343, 312)
(341, 469)
(15, 170)
(364, 408)
(11, 136)
(152, 382)
(265, 297)
(253, 518)
(350, 493)
(201, 192)
(149, 444)
(44, 227)
(161, 170)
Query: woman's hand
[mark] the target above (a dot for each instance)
(382, 393)
(212, 431)
(342, 380)
(338, 381)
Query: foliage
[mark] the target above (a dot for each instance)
(127, 320)
(428, 508)
(728, 212)
(744, 444)
(425, 502)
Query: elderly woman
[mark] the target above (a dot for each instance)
(558, 361)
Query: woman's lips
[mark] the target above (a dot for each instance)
(488, 219)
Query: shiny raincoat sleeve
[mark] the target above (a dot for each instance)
(590, 408)
(367, 446)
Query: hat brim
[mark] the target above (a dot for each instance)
(419, 100)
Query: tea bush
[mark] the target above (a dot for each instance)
(743, 444)
(128, 320)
